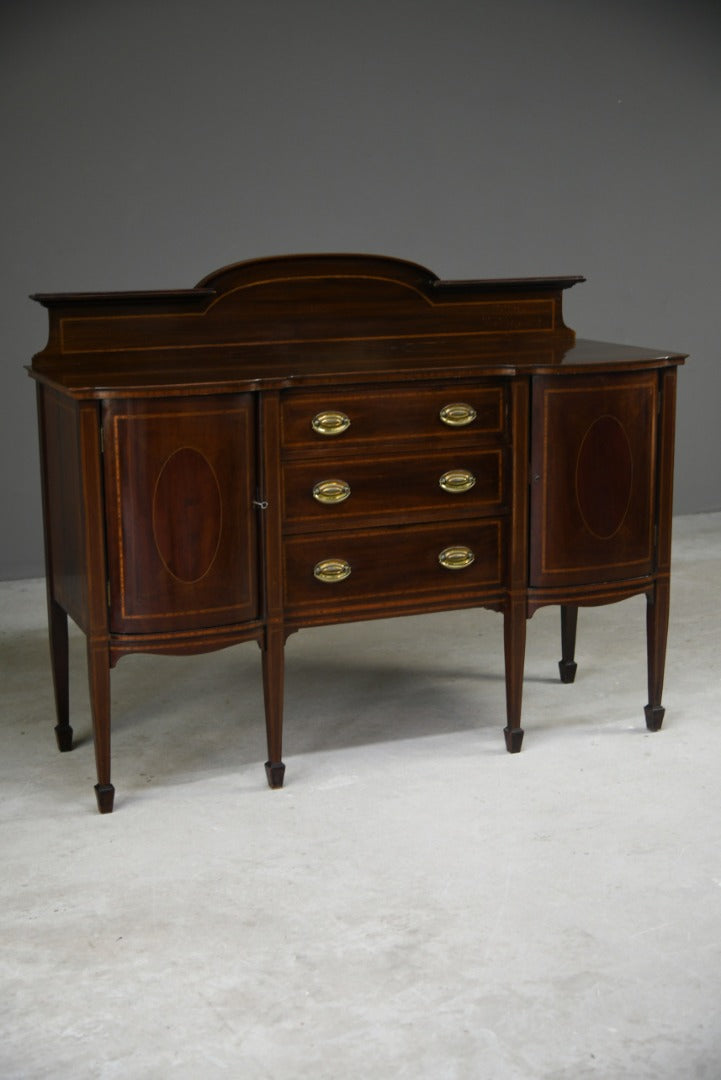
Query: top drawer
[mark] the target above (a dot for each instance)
(311, 420)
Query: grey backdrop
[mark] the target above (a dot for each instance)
(147, 143)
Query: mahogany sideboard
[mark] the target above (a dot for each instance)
(307, 440)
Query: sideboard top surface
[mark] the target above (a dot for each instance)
(311, 320)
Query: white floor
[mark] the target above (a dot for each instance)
(415, 903)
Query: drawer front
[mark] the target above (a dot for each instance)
(398, 567)
(337, 418)
(467, 482)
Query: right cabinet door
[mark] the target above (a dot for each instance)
(593, 469)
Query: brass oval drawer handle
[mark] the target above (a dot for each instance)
(456, 557)
(330, 422)
(332, 570)
(456, 481)
(330, 492)
(458, 414)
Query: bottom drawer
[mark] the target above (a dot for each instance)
(403, 566)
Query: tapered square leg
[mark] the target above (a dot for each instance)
(273, 689)
(58, 628)
(567, 663)
(514, 641)
(105, 794)
(657, 611)
(99, 681)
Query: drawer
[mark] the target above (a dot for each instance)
(355, 490)
(329, 573)
(337, 418)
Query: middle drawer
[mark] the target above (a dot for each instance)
(398, 488)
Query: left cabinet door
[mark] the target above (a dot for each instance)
(181, 534)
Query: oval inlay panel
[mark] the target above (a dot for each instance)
(604, 477)
(187, 515)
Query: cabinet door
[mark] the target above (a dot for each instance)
(181, 539)
(593, 473)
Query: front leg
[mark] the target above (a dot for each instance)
(567, 663)
(514, 640)
(657, 610)
(99, 680)
(273, 648)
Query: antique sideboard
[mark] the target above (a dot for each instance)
(308, 440)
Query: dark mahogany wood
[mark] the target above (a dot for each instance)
(594, 471)
(399, 566)
(399, 489)
(58, 626)
(514, 605)
(273, 682)
(318, 439)
(567, 664)
(189, 460)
